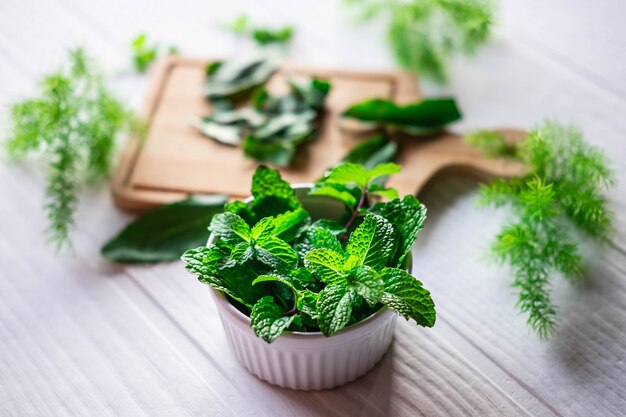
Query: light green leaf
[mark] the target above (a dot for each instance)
(288, 226)
(372, 242)
(205, 263)
(388, 193)
(382, 170)
(334, 308)
(242, 253)
(368, 284)
(405, 294)
(236, 78)
(327, 265)
(407, 217)
(338, 192)
(348, 173)
(267, 319)
(230, 228)
(264, 229)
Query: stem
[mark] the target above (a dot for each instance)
(355, 213)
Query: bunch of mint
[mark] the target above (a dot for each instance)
(289, 271)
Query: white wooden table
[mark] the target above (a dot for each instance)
(81, 337)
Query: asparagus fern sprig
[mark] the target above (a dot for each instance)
(73, 122)
(558, 201)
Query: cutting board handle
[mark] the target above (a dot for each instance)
(423, 159)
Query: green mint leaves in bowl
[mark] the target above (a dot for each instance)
(288, 269)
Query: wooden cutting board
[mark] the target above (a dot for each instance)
(174, 160)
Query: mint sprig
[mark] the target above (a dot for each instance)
(288, 272)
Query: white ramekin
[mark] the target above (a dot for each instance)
(308, 361)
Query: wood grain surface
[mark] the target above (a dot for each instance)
(80, 337)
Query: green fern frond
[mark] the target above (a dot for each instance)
(73, 123)
(561, 194)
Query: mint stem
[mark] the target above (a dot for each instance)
(355, 213)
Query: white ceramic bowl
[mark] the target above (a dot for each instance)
(308, 361)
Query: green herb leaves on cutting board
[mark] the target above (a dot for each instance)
(556, 204)
(290, 271)
(428, 116)
(163, 234)
(424, 35)
(261, 35)
(270, 128)
(72, 123)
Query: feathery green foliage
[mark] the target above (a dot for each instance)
(73, 122)
(425, 34)
(561, 194)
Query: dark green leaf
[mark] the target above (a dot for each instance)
(164, 233)
(277, 254)
(268, 188)
(425, 117)
(372, 152)
(277, 153)
(368, 284)
(317, 238)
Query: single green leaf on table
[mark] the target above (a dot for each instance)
(426, 117)
(164, 233)
(405, 295)
(267, 319)
(372, 152)
(234, 79)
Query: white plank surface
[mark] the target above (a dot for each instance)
(80, 337)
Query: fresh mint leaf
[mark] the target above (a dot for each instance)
(278, 153)
(317, 238)
(407, 216)
(211, 268)
(267, 319)
(163, 234)
(276, 254)
(230, 126)
(337, 191)
(383, 170)
(263, 230)
(264, 36)
(327, 266)
(372, 242)
(372, 152)
(425, 117)
(388, 193)
(334, 307)
(236, 78)
(307, 303)
(368, 284)
(330, 225)
(230, 228)
(288, 226)
(243, 252)
(268, 187)
(241, 209)
(348, 173)
(405, 294)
